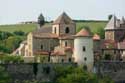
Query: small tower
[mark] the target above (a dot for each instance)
(64, 25)
(83, 49)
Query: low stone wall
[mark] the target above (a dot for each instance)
(33, 71)
(114, 69)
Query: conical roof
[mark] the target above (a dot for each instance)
(63, 19)
(112, 23)
(96, 37)
(83, 33)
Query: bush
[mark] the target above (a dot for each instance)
(19, 33)
(78, 75)
(4, 76)
(11, 59)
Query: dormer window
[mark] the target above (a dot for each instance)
(67, 30)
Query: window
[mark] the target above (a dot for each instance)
(70, 59)
(62, 60)
(67, 30)
(55, 30)
(84, 49)
(66, 44)
(41, 47)
(85, 58)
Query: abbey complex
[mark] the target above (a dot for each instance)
(60, 43)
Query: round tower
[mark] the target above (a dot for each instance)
(83, 49)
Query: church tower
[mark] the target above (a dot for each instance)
(64, 25)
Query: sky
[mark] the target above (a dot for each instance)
(15, 11)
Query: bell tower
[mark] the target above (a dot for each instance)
(64, 25)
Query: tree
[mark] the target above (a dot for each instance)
(20, 33)
(4, 76)
(72, 74)
(101, 32)
(41, 20)
(110, 16)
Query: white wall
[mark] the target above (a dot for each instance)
(79, 54)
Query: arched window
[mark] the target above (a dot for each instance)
(67, 30)
(55, 30)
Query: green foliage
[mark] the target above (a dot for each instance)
(110, 16)
(41, 20)
(19, 33)
(78, 75)
(10, 44)
(4, 76)
(18, 27)
(5, 35)
(101, 32)
(11, 59)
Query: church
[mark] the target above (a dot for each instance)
(60, 43)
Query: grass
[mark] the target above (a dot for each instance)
(94, 25)
(23, 27)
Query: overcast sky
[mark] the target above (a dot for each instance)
(14, 11)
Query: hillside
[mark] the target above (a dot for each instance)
(94, 25)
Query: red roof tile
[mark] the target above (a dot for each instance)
(96, 37)
(83, 33)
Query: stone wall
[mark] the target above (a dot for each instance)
(32, 71)
(114, 69)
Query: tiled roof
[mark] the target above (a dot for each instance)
(83, 33)
(63, 19)
(64, 36)
(44, 29)
(96, 37)
(109, 44)
(38, 52)
(44, 35)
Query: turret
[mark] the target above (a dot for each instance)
(83, 49)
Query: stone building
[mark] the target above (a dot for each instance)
(114, 44)
(55, 40)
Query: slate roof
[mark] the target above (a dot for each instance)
(122, 20)
(115, 23)
(63, 19)
(112, 23)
